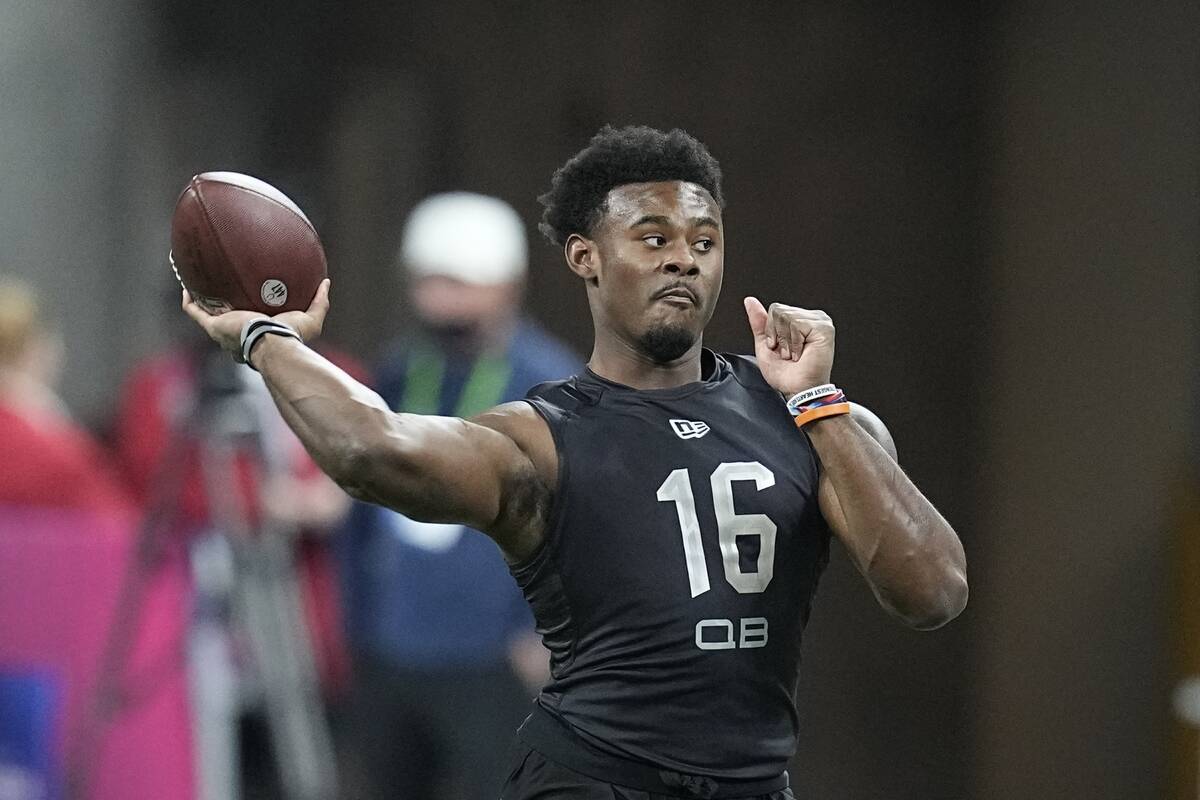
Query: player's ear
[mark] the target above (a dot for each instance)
(582, 256)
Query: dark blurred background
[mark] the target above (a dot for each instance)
(999, 204)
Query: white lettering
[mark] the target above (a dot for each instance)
(753, 633)
(723, 625)
(717, 634)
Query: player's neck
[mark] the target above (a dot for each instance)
(624, 364)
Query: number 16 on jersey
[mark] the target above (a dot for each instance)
(677, 489)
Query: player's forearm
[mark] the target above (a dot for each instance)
(906, 549)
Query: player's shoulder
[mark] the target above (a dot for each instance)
(516, 419)
(561, 397)
(530, 431)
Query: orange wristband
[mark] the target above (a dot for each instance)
(831, 410)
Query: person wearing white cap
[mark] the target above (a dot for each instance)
(465, 256)
(446, 657)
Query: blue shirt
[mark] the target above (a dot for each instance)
(430, 596)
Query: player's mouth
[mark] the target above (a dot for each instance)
(678, 296)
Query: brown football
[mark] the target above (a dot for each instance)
(240, 243)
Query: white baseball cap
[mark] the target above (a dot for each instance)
(469, 237)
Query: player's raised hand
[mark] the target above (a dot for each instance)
(226, 329)
(794, 346)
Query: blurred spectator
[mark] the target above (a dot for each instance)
(156, 426)
(446, 657)
(49, 460)
(157, 401)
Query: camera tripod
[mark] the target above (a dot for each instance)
(248, 646)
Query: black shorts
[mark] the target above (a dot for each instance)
(532, 776)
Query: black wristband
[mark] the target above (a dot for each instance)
(255, 329)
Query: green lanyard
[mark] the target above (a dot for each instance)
(423, 384)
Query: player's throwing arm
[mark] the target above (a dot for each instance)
(909, 554)
(250, 262)
(436, 469)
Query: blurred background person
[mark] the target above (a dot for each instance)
(46, 458)
(446, 657)
(58, 487)
(160, 394)
(164, 421)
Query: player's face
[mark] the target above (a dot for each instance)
(660, 249)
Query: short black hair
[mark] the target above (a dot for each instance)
(615, 157)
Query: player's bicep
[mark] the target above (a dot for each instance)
(831, 507)
(446, 469)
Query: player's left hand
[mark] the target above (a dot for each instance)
(794, 346)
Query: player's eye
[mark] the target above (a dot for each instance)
(655, 240)
(704, 245)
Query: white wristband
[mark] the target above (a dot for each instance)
(257, 328)
(808, 395)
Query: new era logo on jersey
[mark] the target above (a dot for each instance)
(689, 429)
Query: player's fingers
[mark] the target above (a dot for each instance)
(780, 331)
(193, 310)
(757, 315)
(798, 334)
(759, 328)
(319, 306)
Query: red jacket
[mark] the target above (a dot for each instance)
(49, 461)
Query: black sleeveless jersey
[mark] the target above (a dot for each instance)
(682, 552)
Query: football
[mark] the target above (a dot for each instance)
(240, 243)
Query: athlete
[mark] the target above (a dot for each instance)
(667, 512)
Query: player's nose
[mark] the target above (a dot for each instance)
(680, 260)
